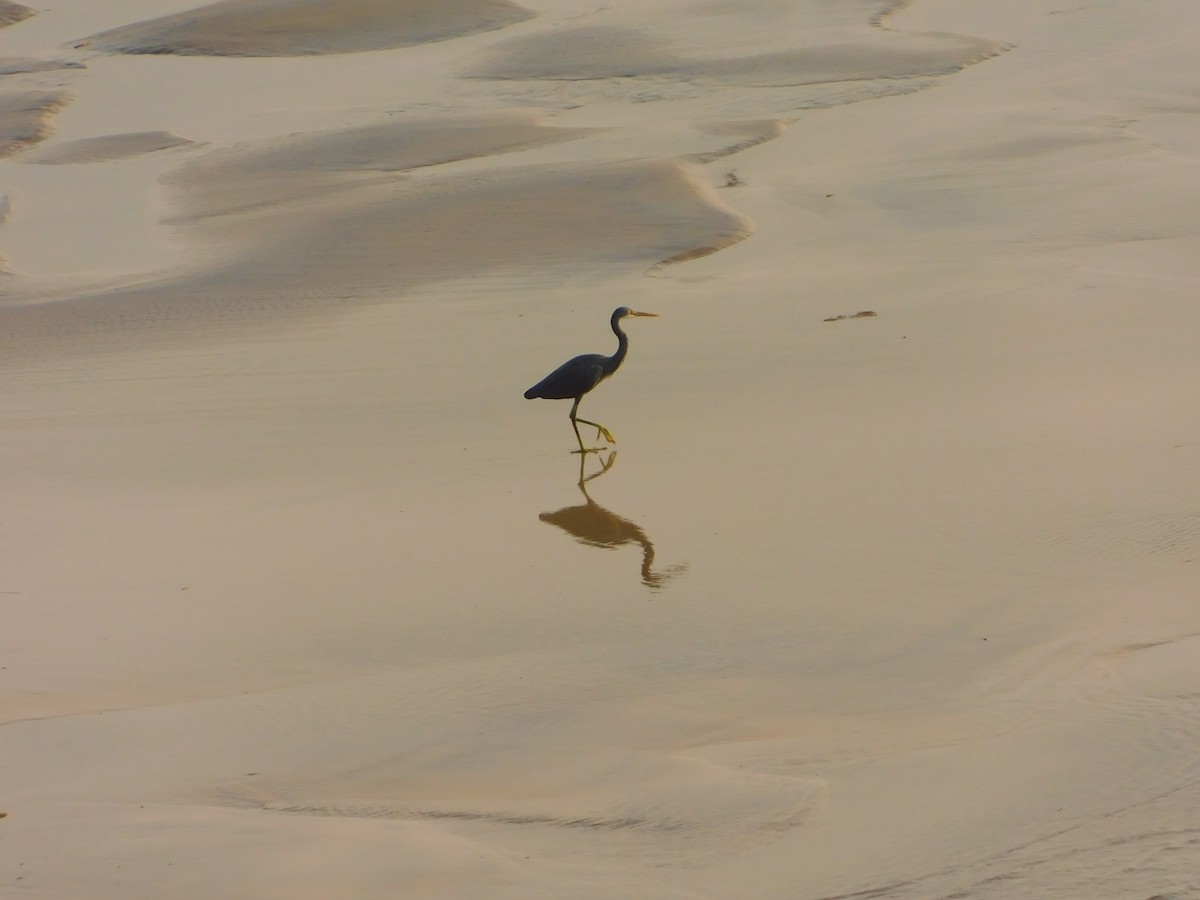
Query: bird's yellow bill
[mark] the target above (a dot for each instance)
(634, 312)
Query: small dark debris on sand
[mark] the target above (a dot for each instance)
(863, 314)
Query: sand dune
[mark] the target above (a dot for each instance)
(107, 147)
(305, 167)
(301, 27)
(388, 237)
(291, 242)
(11, 13)
(10, 65)
(606, 52)
(25, 118)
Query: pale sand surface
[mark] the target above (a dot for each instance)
(300, 598)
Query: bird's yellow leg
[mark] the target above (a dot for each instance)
(583, 449)
(600, 430)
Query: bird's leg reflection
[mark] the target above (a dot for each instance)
(605, 465)
(592, 524)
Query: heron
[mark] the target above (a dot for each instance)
(577, 376)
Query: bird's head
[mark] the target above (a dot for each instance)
(625, 311)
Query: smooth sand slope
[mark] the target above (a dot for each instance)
(300, 598)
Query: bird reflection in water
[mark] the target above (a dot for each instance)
(592, 524)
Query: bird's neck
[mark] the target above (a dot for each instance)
(622, 348)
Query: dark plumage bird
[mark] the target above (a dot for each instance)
(577, 376)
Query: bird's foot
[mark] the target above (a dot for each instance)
(589, 449)
(608, 435)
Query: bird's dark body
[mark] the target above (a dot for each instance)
(577, 376)
(572, 379)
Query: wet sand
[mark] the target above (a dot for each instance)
(302, 599)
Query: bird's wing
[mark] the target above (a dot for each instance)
(572, 379)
